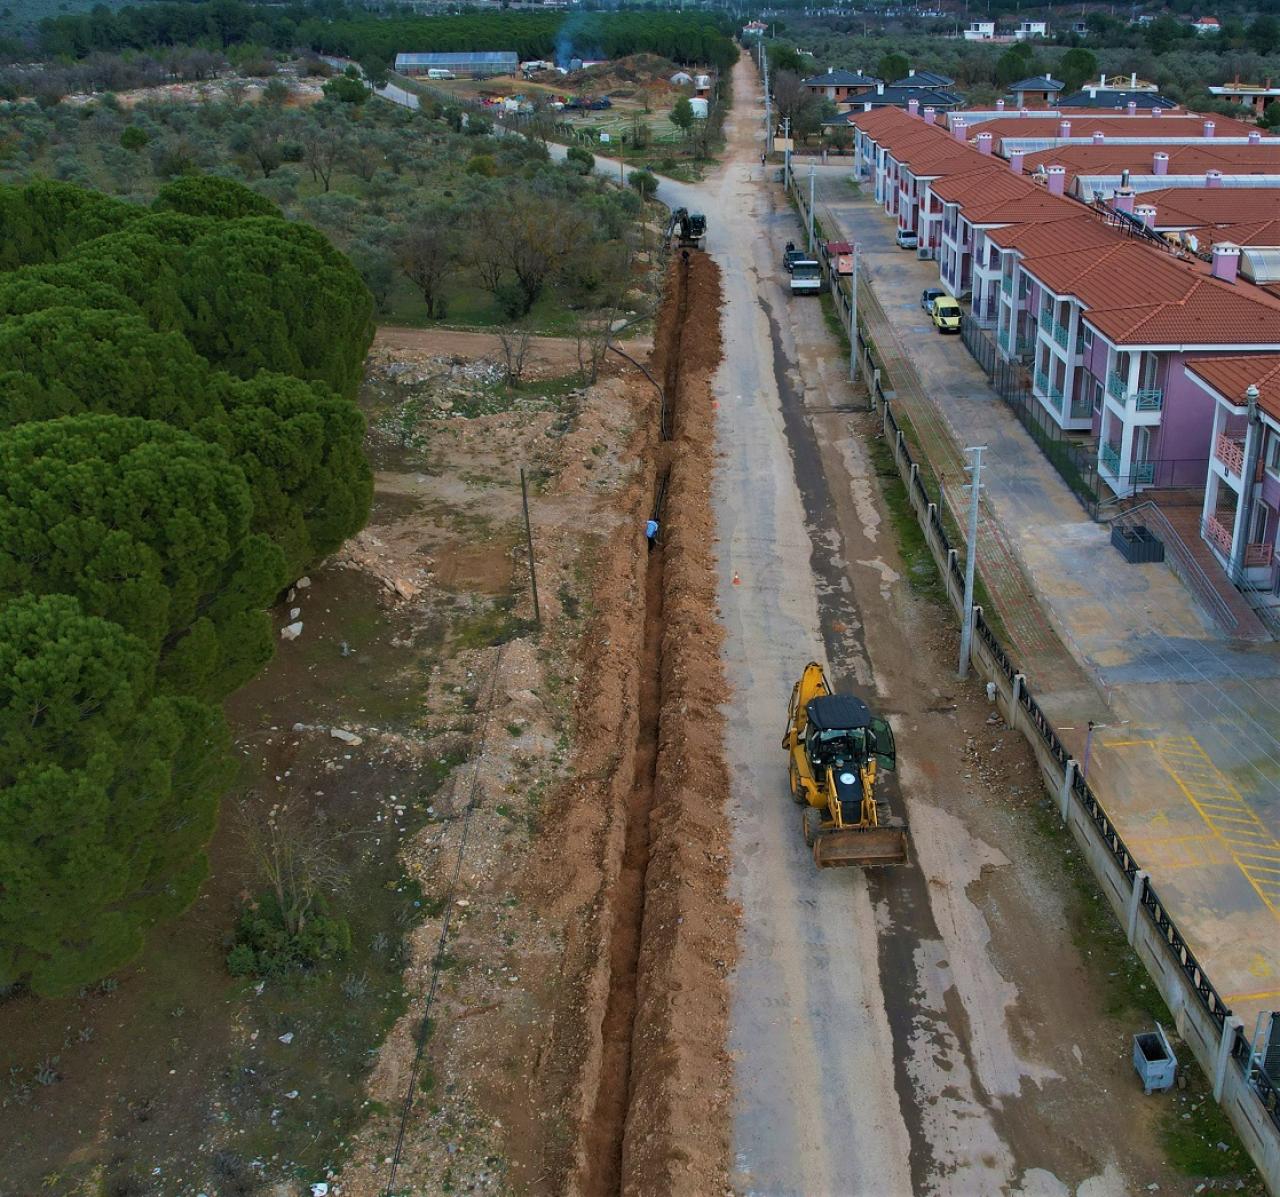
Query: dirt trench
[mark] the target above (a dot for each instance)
(650, 1079)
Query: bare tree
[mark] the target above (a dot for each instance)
(295, 857)
(515, 349)
(427, 253)
(593, 334)
(324, 143)
(485, 252)
(537, 238)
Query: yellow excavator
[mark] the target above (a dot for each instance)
(836, 747)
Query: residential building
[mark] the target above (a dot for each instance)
(1037, 92)
(1031, 29)
(980, 31)
(888, 95)
(931, 79)
(1240, 519)
(754, 29)
(1115, 100)
(462, 63)
(840, 86)
(1253, 96)
(1206, 25)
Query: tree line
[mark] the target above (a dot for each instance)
(688, 38)
(178, 441)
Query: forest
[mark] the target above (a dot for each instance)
(179, 442)
(687, 38)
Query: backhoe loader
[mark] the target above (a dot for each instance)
(836, 748)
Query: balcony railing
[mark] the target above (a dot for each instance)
(1219, 535)
(1060, 334)
(1109, 455)
(1143, 472)
(1048, 390)
(1144, 399)
(1042, 382)
(1006, 285)
(1230, 453)
(1081, 407)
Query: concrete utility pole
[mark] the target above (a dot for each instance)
(966, 626)
(812, 173)
(853, 317)
(786, 150)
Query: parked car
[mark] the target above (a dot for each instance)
(946, 314)
(907, 240)
(806, 277)
(791, 256)
(928, 295)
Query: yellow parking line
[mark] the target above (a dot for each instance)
(1224, 809)
(1251, 997)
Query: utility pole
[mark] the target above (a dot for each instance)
(528, 533)
(966, 625)
(786, 150)
(812, 173)
(853, 317)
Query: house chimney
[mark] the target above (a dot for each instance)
(1133, 79)
(1064, 129)
(1023, 112)
(984, 143)
(879, 89)
(1102, 81)
(1209, 127)
(930, 116)
(830, 69)
(1057, 179)
(1160, 163)
(1124, 177)
(1131, 108)
(866, 106)
(1123, 200)
(1213, 178)
(913, 107)
(960, 131)
(1146, 213)
(911, 72)
(1226, 261)
(1255, 138)
(1157, 112)
(1099, 137)
(999, 105)
(1015, 162)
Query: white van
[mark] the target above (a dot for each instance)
(440, 73)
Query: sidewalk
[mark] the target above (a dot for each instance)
(1168, 691)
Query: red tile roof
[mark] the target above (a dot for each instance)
(1232, 376)
(1258, 234)
(1114, 126)
(1183, 159)
(1190, 207)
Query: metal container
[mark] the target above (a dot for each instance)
(1154, 1061)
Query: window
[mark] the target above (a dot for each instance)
(1086, 338)
(1097, 396)
(1273, 452)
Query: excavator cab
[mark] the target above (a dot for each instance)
(837, 747)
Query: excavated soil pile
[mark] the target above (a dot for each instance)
(633, 1079)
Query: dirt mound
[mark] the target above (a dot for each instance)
(634, 71)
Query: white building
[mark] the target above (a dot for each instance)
(980, 31)
(1031, 29)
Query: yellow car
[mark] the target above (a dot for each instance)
(946, 314)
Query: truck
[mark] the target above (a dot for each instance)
(806, 277)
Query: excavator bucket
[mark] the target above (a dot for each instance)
(867, 848)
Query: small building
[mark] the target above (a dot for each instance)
(682, 79)
(1253, 96)
(699, 108)
(1206, 25)
(702, 85)
(754, 29)
(464, 64)
(839, 86)
(980, 31)
(1116, 101)
(1037, 92)
(1027, 30)
(1080, 28)
(892, 96)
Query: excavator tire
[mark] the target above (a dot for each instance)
(867, 849)
(793, 775)
(811, 821)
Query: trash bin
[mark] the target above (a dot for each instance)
(1154, 1061)
(1137, 544)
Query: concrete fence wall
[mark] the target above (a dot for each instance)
(1201, 1018)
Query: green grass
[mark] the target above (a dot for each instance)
(471, 307)
(917, 558)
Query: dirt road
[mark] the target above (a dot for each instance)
(925, 1030)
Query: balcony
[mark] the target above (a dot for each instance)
(1060, 334)
(1006, 285)
(1231, 453)
(1081, 407)
(1049, 391)
(1109, 455)
(1145, 399)
(1218, 534)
